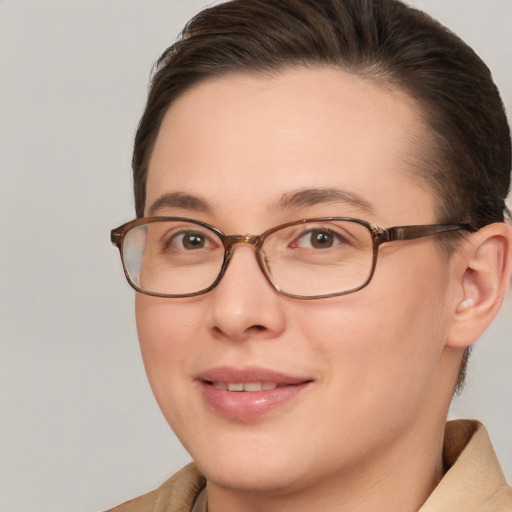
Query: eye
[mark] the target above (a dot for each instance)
(192, 241)
(318, 239)
(189, 241)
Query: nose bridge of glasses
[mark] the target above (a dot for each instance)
(232, 240)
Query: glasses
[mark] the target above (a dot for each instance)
(305, 259)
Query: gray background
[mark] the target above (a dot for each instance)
(79, 429)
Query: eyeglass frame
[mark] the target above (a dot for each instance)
(379, 236)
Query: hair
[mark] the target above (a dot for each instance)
(466, 156)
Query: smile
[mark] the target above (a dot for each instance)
(245, 386)
(249, 393)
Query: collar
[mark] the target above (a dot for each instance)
(473, 480)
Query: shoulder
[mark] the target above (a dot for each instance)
(177, 494)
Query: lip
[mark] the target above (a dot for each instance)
(249, 405)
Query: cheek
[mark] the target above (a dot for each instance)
(168, 333)
(386, 339)
(162, 323)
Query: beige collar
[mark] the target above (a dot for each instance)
(474, 480)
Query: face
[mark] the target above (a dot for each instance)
(360, 378)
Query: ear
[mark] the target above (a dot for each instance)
(482, 269)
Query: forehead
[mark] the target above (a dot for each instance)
(242, 142)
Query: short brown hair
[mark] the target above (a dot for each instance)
(468, 159)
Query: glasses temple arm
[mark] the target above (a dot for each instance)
(413, 232)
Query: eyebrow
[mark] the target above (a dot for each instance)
(310, 197)
(289, 201)
(179, 200)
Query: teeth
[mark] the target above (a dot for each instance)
(252, 386)
(247, 386)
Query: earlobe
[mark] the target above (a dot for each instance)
(485, 265)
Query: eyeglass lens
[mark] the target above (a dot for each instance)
(304, 259)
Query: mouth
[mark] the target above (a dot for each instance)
(249, 393)
(250, 387)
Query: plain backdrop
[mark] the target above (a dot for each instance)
(79, 429)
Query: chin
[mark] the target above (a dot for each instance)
(248, 462)
(257, 476)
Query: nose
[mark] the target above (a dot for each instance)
(244, 303)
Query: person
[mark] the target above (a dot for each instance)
(321, 236)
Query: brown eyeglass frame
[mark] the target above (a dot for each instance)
(379, 237)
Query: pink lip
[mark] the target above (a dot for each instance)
(248, 405)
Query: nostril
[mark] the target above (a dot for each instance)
(255, 330)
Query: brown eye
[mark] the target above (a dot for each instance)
(189, 241)
(321, 239)
(318, 239)
(193, 241)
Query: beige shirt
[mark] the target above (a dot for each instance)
(474, 481)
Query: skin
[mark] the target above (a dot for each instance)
(381, 361)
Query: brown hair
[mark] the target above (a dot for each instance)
(468, 159)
